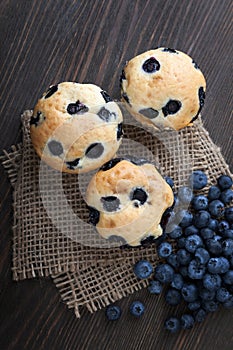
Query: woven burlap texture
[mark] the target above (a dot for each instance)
(85, 275)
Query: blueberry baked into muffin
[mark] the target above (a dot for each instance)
(76, 127)
(127, 198)
(163, 88)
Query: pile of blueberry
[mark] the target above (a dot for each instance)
(196, 253)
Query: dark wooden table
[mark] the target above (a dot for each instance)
(43, 42)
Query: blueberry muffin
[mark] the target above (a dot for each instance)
(76, 127)
(163, 88)
(127, 198)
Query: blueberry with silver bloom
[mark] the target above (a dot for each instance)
(113, 312)
(143, 269)
(172, 324)
(137, 308)
(198, 179)
(224, 182)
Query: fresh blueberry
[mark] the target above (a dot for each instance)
(192, 243)
(201, 219)
(195, 305)
(176, 232)
(189, 292)
(143, 269)
(212, 281)
(185, 218)
(214, 193)
(198, 180)
(187, 321)
(206, 294)
(223, 225)
(178, 281)
(227, 247)
(214, 245)
(185, 194)
(228, 277)
(183, 256)
(218, 265)
(164, 273)
(213, 224)
(155, 287)
(137, 308)
(216, 208)
(164, 250)
(229, 303)
(224, 182)
(210, 305)
(196, 270)
(200, 202)
(228, 233)
(173, 261)
(206, 233)
(229, 214)
(172, 324)
(113, 312)
(226, 196)
(202, 255)
(191, 230)
(199, 315)
(222, 295)
(173, 297)
(169, 181)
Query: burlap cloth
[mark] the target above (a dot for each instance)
(87, 274)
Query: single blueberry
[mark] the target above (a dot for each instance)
(212, 281)
(106, 97)
(206, 294)
(183, 270)
(228, 233)
(222, 295)
(172, 107)
(210, 305)
(181, 242)
(229, 303)
(218, 265)
(176, 232)
(201, 219)
(164, 273)
(195, 305)
(173, 297)
(200, 202)
(189, 292)
(55, 147)
(198, 180)
(224, 182)
(95, 150)
(155, 287)
(110, 203)
(183, 256)
(223, 226)
(216, 208)
(51, 91)
(187, 321)
(206, 233)
(151, 65)
(137, 308)
(199, 315)
(173, 261)
(77, 107)
(178, 281)
(227, 196)
(191, 230)
(143, 269)
(196, 270)
(213, 224)
(214, 193)
(227, 247)
(192, 243)
(172, 324)
(202, 255)
(184, 217)
(228, 277)
(229, 214)
(113, 312)
(214, 245)
(164, 250)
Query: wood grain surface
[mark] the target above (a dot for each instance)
(44, 42)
